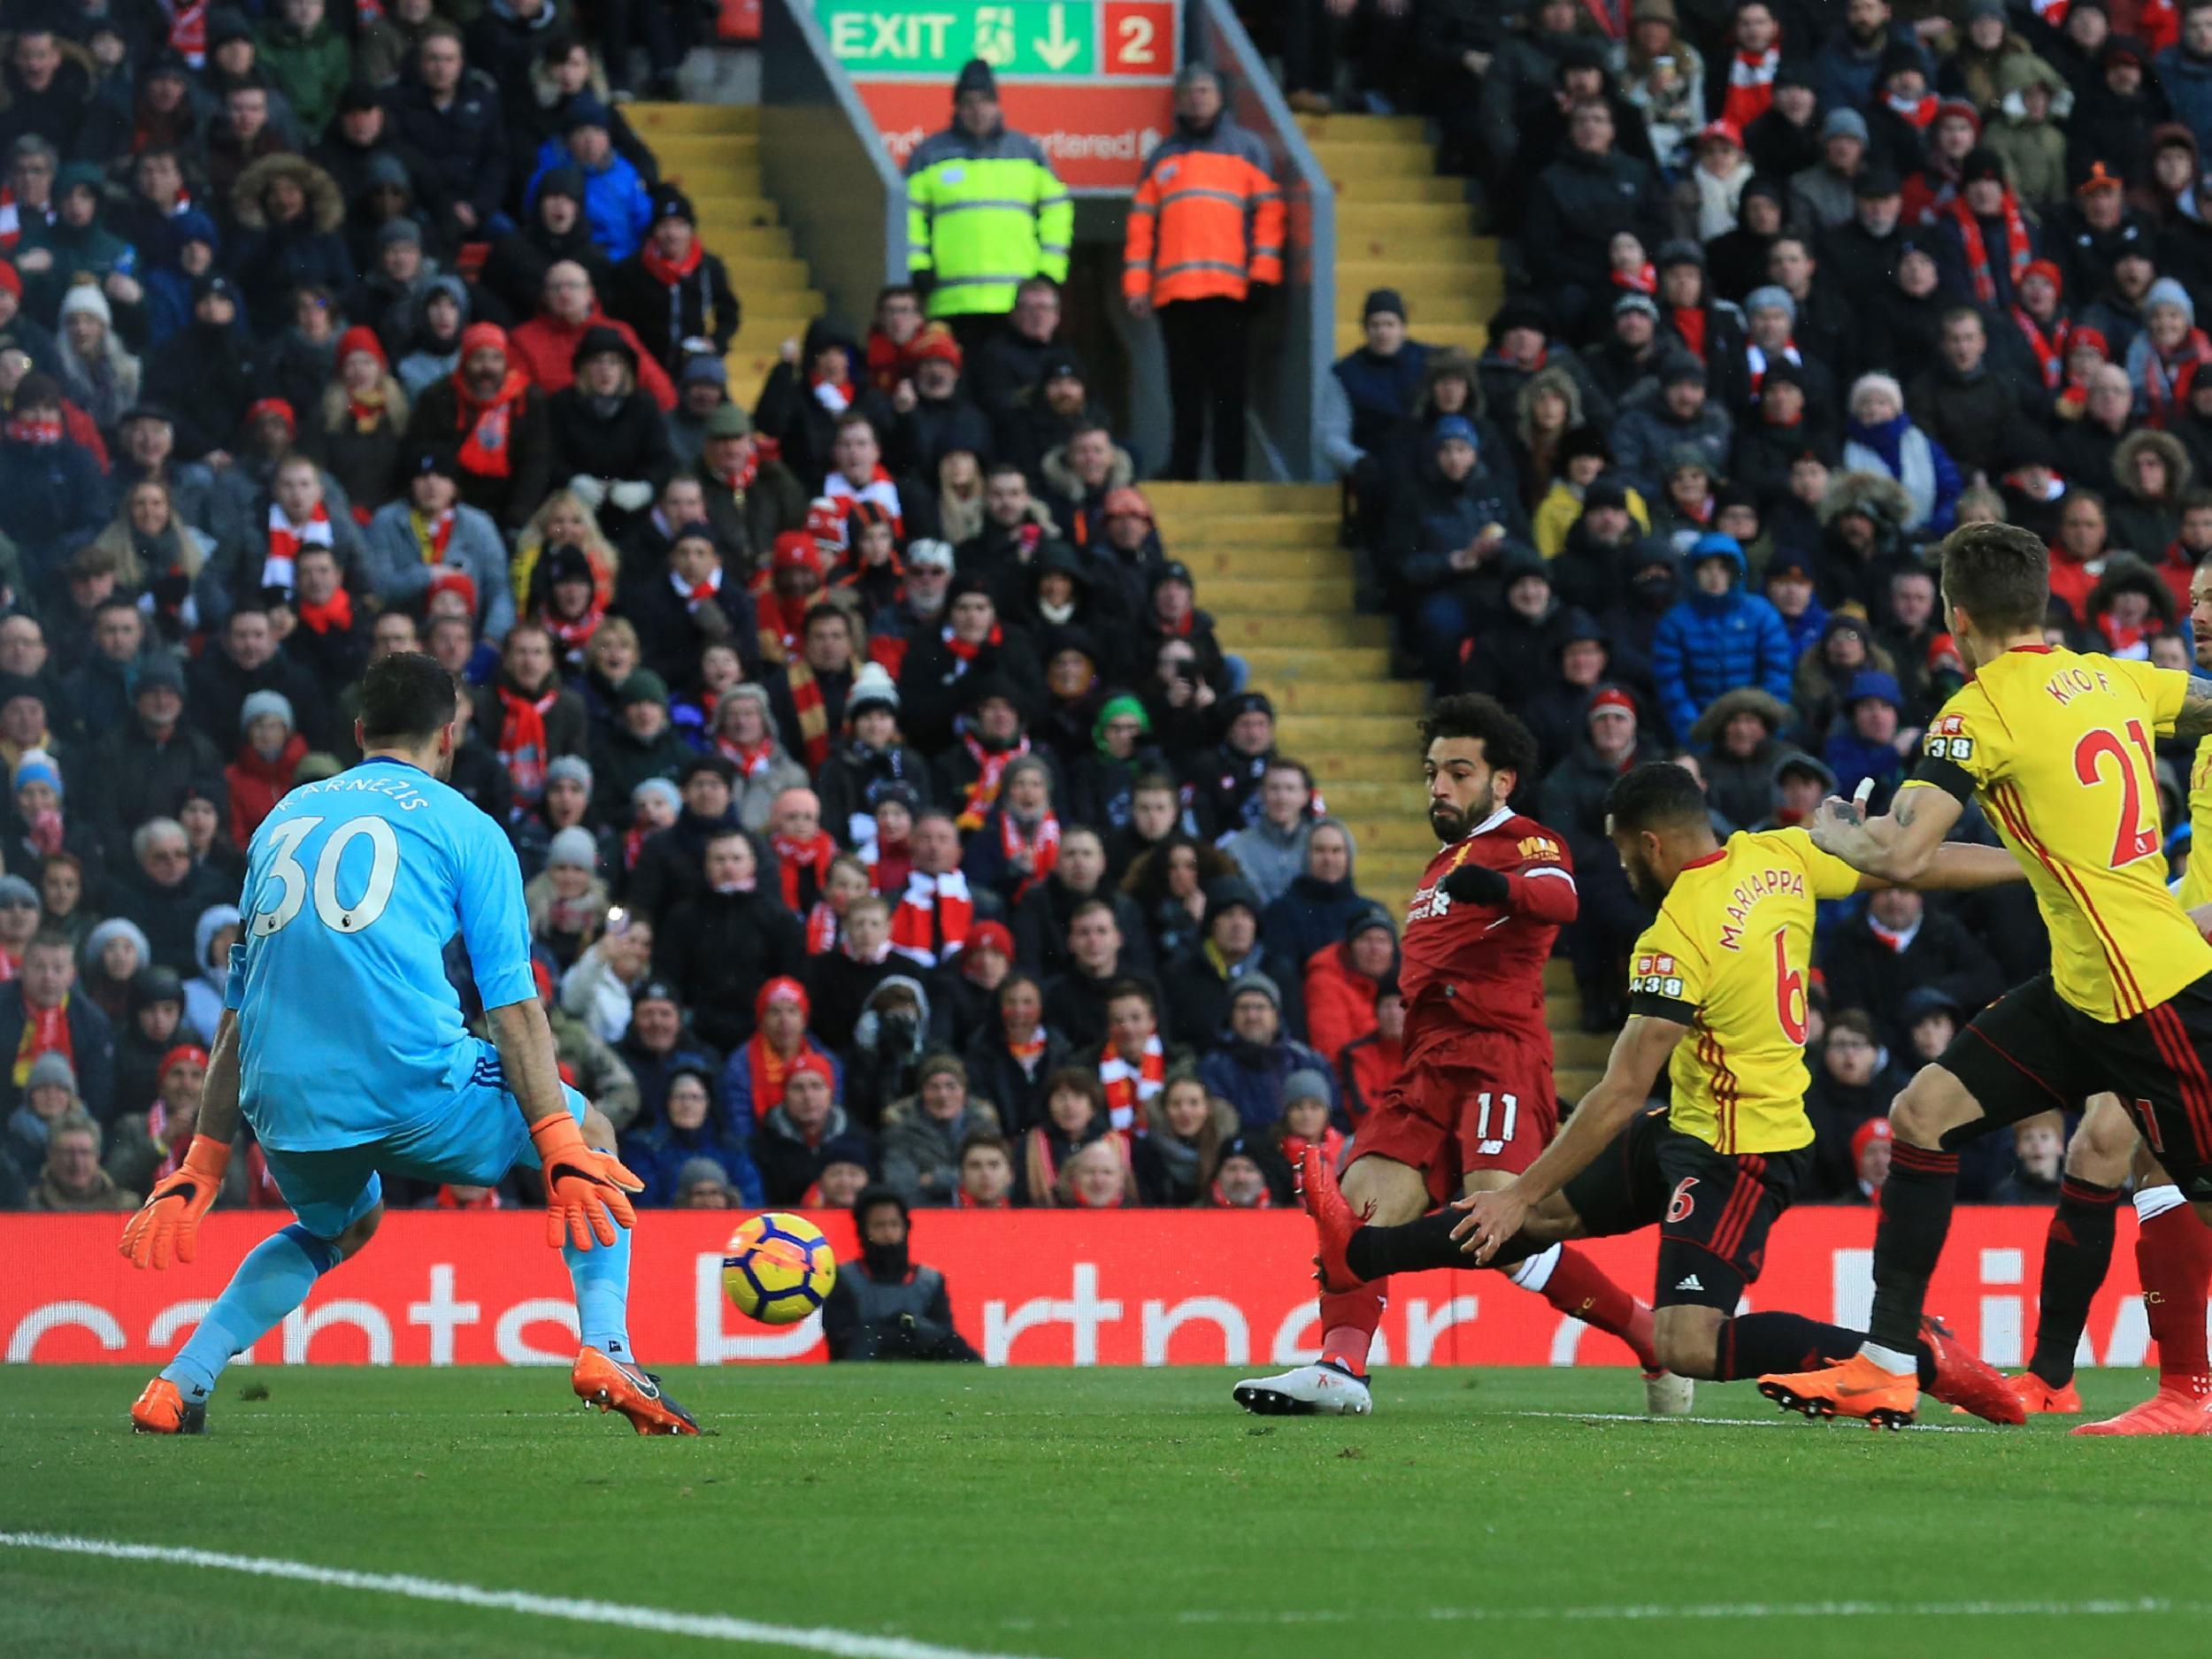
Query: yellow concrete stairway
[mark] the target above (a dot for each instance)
(712, 151)
(1400, 226)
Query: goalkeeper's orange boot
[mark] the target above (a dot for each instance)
(2181, 1406)
(162, 1409)
(614, 1385)
(1854, 1387)
(1964, 1379)
(1332, 1220)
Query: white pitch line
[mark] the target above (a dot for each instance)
(2110, 1608)
(1735, 1423)
(661, 1621)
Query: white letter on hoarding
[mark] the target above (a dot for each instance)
(55, 1315)
(1424, 1327)
(1851, 1281)
(716, 1346)
(1161, 1323)
(1084, 1311)
(1565, 1339)
(507, 1338)
(300, 1328)
(2131, 1342)
(1292, 1345)
(443, 1314)
(171, 1321)
(2000, 1314)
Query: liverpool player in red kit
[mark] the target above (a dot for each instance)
(1476, 1100)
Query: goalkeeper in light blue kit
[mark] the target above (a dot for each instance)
(342, 1041)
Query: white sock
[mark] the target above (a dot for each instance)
(1535, 1273)
(2153, 1202)
(1890, 1360)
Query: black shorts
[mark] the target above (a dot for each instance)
(1713, 1209)
(2032, 1050)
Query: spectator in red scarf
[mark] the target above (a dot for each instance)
(673, 293)
(936, 910)
(1018, 845)
(1306, 1106)
(698, 602)
(938, 675)
(1986, 244)
(784, 592)
(1133, 1061)
(527, 715)
(568, 603)
(40, 1013)
(808, 694)
(545, 347)
(804, 849)
(431, 541)
(492, 418)
(148, 1145)
(758, 1070)
(795, 1139)
(330, 637)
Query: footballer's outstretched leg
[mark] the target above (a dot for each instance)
(274, 1279)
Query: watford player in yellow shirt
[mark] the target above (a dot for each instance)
(2057, 748)
(1717, 995)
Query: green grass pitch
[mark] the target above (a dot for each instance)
(1094, 1515)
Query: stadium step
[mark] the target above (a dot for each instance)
(1308, 633)
(1221, 501)
(712, 151)
(1419, 242)
(1257, 529)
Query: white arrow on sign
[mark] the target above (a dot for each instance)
(1057, 48)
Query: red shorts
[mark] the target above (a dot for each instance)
(1482, 1102)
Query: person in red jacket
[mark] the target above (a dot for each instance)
(1340, 981)
(545, 347)
(1369, 1064)
(1205, 241)
(269, 753)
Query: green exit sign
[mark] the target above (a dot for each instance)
(1020, 39)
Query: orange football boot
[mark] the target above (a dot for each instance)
(162, 1409)
(1853, 1387)
(2038, 1398)
(614, 1385)
(2183, 1408)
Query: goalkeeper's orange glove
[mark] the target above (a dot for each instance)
(586, 1192)
(169, 1221)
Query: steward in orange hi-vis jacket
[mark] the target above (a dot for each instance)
(1205, 242)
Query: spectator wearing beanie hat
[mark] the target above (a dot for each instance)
(1983, 242)
(361, 424)
(868, 756)
(270, 750)
(1251, 1062)
(610, 440)
(493, 421)
(554, 231)
(674, 295)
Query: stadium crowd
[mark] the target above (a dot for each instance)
(888, 808)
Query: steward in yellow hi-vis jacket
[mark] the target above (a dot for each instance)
(984, 210)
(1205, 232)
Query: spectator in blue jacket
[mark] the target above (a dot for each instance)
(1867, 744)
(1251, 1063)
(618, 205)
(691, 1125)
(1718, 638)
